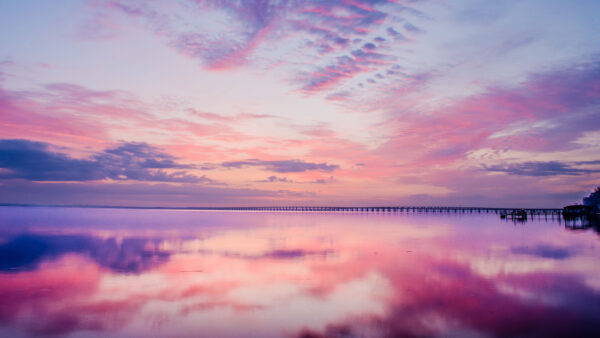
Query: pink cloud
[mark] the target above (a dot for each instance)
(563, 98)
(24, 116)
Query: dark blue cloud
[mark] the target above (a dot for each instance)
(550, 168)
(286, 166)
(35, 161)
(369, 46)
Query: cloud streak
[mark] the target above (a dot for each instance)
(284, 166)
(550, 168)
(277, 179)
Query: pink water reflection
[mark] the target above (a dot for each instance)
(140, 273)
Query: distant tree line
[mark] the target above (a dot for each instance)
(593, 200)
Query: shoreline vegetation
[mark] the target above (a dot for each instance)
(590, 206)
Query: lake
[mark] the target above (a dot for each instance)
(85, 272)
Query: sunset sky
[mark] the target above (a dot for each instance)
(226, 103)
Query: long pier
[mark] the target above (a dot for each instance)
(396, 209)
(324, 209)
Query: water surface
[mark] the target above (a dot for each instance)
(168, 273)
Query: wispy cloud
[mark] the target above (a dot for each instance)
(232, 32)
(277, 179)
(224, 118)
(284, 166)
(274, 178)
(247, 23)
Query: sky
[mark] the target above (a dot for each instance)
(253, 103)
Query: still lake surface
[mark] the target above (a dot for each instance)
(171, 273)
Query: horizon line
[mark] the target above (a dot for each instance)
(258, 208)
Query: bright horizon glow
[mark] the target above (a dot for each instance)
(254, 103)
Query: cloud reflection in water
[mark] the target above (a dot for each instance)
(27, 251)
(305, 275)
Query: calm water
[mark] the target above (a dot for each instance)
(158, 273)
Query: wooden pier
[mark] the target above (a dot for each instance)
(397, 209)
(381, 209)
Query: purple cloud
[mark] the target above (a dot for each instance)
(550, 168)
(286, 166)
(274, 178)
